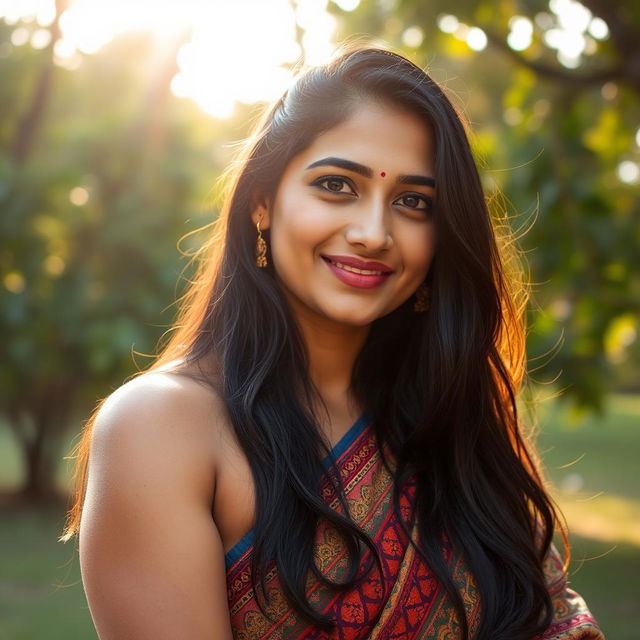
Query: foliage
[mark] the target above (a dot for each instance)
(102, 170)
(92, 209)
(551, 140)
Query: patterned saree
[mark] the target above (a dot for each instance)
(415, 607)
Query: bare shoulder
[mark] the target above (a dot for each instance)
(151, 555)
(174, 417)
(164, 392)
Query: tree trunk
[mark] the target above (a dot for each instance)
(30, 121)
(38, 481)
(38, 432)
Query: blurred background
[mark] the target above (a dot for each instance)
(117, 120)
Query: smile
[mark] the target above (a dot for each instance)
(347, 267)
(356, 277)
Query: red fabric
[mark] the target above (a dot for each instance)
(408, 604)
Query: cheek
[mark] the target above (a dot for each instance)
(418, 247)
(300, 223)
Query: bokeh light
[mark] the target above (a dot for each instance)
(14, 282)
(568, 37)
(521, 33)
(413, 37)
(476, 39)
(347, 5)
(448, 23)
(78, 196)
(628, 172)
(19, 36)
(218, 65)
(598, 29)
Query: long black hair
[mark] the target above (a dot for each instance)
(440, 387)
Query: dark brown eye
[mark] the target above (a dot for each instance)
(334, 184)
(415, 201)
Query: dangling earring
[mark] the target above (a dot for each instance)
(261, 248)
(422, 299)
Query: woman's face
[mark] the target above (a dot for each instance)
(362, 194)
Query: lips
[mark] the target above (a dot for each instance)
(357, 273)
(369, 267)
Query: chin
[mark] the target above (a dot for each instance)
(354, 318)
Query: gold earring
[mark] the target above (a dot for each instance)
(261, 248)
(422, 299)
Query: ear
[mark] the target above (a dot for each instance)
(260, 210)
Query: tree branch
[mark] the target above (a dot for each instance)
(625, 35)
(556, 73)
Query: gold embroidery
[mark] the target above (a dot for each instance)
(328, 550)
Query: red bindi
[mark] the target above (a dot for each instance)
(383, 174)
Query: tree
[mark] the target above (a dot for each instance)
(558, 136)
(101, 168)
(94, 192)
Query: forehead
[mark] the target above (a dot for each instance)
(380, 136)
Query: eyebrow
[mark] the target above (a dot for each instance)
(367, 172)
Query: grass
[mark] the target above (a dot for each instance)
(41, 594)
(606, 576)
(591, 463)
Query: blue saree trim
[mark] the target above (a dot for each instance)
(240, 547)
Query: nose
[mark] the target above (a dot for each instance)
(370, 228)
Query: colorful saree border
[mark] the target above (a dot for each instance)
(405, 602)
(346, 441)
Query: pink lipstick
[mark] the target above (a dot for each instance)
(358, 273)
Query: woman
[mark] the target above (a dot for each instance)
(328, 447)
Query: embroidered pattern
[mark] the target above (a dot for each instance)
(408, 603)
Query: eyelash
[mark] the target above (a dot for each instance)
(428, 201)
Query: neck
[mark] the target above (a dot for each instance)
(333, 349)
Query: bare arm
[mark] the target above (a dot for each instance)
(151, 556)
